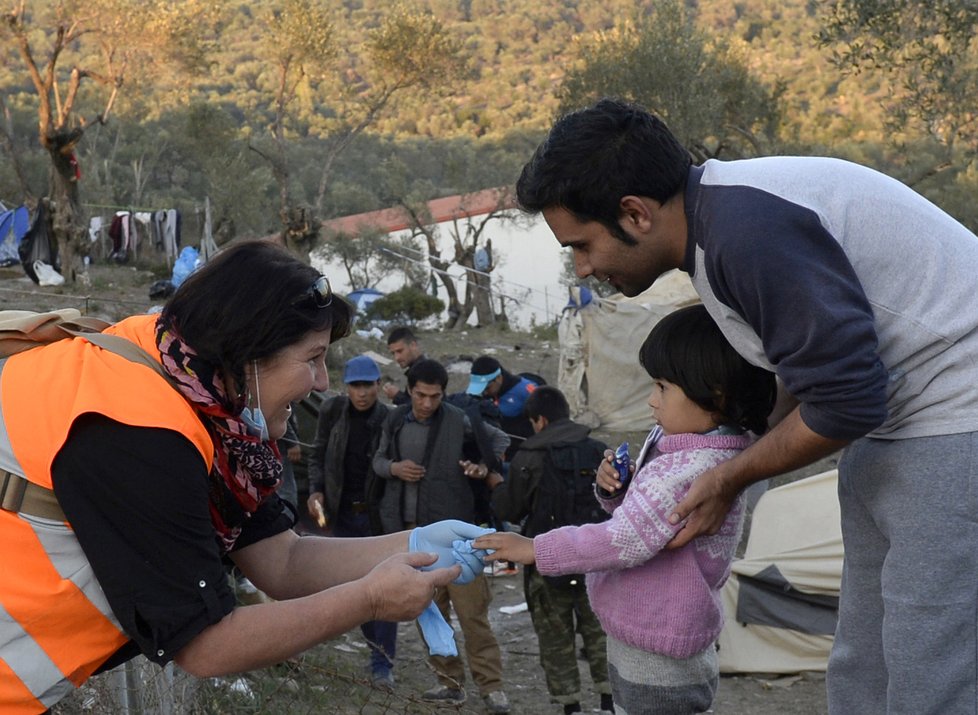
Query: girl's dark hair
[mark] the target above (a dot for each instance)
(687, 349)
(247, 303)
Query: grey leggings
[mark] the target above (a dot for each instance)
(906, 641)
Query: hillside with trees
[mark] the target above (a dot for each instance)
(288, 112)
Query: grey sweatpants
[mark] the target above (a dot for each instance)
(908, 633)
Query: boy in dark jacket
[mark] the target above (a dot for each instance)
(558, 611)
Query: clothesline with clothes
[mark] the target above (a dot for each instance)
(127, 229)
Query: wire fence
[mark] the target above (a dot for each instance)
(535, 298)
(330, 678)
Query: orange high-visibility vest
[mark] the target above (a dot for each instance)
(56, 627)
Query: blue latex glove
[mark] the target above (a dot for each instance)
(437, 633)
(471, 559)
(439, 538)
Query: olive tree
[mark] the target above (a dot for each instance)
(330, 84)
(925, 50)
(76, 58)
(700, 84)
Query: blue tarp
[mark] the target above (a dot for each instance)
(363, 297)
(13, 226)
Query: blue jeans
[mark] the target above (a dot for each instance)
(381, 636)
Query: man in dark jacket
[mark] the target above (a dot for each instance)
(489, 380)
(558, 611)
(340, 476)
(419, 457)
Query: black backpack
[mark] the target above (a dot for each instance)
(565, 493)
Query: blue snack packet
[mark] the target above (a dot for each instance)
(621, 462)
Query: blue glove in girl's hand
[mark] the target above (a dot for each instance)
(439, 538)
(472, 560)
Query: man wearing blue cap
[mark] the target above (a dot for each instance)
(341, 480)
(488, 379)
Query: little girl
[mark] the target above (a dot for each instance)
(661, 608)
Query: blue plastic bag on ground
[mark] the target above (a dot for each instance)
(186, 263)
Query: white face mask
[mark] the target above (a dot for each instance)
(254, 418)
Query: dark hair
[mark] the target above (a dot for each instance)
(547, 401)
(430, 372)
(593, 157)
(687, 349)
(485, 365)
(399, 334)
(241, 306)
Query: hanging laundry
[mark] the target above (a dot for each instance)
(38, 249)
(171, 232)
(165, 226)
(123, 234)
(95, 228)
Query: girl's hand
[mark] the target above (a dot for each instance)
(507, 546)
(607, 476)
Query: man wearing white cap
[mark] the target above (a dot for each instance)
(488, 379)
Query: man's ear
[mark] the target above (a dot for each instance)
(638, 213)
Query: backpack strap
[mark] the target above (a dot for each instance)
(20, 495)
(123, 347)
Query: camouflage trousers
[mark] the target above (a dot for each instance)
(558, 615)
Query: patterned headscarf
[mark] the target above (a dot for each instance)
(246, 469)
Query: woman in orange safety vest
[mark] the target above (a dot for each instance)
(122, 489)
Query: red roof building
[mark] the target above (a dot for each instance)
(443, 209)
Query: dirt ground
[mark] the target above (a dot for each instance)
(802, 694)
(330, 679)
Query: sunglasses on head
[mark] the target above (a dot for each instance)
(318, 295)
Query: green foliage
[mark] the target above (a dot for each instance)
(714, 69)
(412, 48)
(300, 33)
(925, 48)
(698, 83)
(405, 305)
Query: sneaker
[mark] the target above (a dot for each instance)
(383, 680)
(444, 694)
(501, 568)
(496, 702)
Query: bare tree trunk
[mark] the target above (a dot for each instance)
(483, 299)
(441, 267)
(455, 319)
(301, 232)
(65, 209)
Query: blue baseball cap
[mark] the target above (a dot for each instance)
(360, 369)
(484, 370)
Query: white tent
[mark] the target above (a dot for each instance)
(781, 601)
(599, 371)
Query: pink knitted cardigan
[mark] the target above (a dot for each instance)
(656, 600)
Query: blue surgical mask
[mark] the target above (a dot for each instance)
(253, 417)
